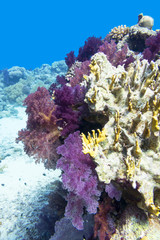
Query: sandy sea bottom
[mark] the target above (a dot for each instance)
(24, 185)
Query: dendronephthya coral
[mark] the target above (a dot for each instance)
(129, 152)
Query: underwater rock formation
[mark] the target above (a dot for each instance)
(17, 82)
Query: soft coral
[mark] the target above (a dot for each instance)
(79, 178)
(70, 107)
(104, 225)
(41, 135)
(153, 47)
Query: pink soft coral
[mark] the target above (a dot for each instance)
(41, 136)
(84, 69)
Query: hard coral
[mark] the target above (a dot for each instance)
(90, 143)
(117, 33)
(41, 135)
(79, 178)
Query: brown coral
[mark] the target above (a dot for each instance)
(117, 33)
(104, 224)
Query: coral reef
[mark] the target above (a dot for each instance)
(134, 224)
(105, 116)
(134, 36)
(76, 72)
(18, 82)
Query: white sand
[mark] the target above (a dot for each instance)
(24, 185)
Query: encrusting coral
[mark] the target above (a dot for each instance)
(104, 116)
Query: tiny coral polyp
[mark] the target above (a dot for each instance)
(90, 143)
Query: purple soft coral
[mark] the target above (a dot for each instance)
(113, 55)
(79, 178)
(69, 101)
(70, 59)
(84, 69)
(113, 192)
(90, 48)
(153, 47)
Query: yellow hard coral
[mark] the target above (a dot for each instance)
(154, 124)
(137, 152)
(130, 164)
(90, 143)
(94, 68)
(152, 208)
(93, 97)
(144, 238)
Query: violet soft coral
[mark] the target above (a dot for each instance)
(70, 102)
(65, 230)
(60, 81)
(41, 136)
(84, 69)
(90, 48)
(79, 178)
(153, 47)
(70, 59)
(113, 192)
(116, 57)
